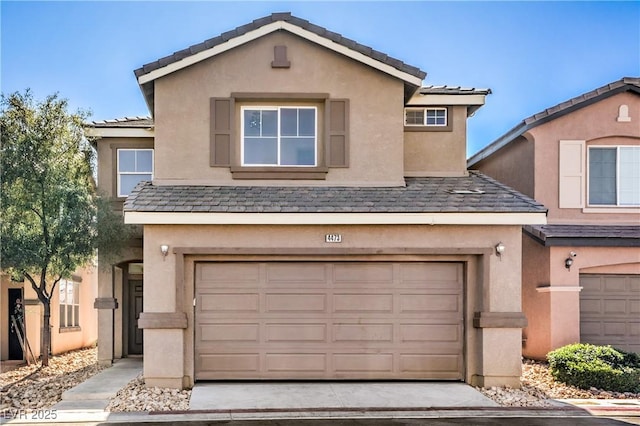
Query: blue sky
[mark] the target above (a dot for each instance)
(533, 55)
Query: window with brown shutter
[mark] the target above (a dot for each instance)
(232, 149)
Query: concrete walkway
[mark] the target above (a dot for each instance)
(95, 393)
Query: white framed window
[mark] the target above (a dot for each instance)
(69, 303)
(134, 165)
(436, 117)
(614, 176)
(279, 136)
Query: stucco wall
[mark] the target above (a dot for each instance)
(182, 111)
(107, 162)
(551, 292)
(493, 285)
(61, 341)
(596, 124)
(437, 153)
(512, 165)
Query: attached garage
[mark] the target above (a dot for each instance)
(329, 320)
(610, 310)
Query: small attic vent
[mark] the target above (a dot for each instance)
(467, 191)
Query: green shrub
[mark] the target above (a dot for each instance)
(603, 367)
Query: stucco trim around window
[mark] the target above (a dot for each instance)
(115, 146)
(332, 134)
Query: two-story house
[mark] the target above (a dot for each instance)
(581, 271)
(307, 213)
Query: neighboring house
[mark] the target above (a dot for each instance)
(73, 319)
(307, 213)
(581, 271)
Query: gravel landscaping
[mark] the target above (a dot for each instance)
(32, 387)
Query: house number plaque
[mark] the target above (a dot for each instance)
(333, 238)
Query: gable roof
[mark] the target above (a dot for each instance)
(146, 75)
(626, 84)
(441, 197)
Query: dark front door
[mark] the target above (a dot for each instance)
(16, 310)
(135, 307)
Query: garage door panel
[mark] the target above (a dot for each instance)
(363, 332)
(360, 321)
(429, 333)
(610, 310)
(305, 363)
(430, 302)
(228, 273)
(358, 363)
(615, 307)
(295, 302)
(590, 306)
(296, 333)
(224, 302)
(230, 332)
(296, 273)
(230, 362)
(356, 274)
(448, 364)
(431, 274)
(362, 303)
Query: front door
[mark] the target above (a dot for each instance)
(16, 310)
(135, 308)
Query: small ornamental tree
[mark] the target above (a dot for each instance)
(49, 210)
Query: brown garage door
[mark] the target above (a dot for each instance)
(610, 310)
(316, 320)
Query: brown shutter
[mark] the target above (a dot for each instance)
(338, 133)
(222, 125)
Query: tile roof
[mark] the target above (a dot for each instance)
(453, 90)
(275, 17)
(148, 87)
(474, 193)
(144, 122)
(623, 85)
(585, 235)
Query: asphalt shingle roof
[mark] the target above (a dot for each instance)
(474, 193)
(586, 235)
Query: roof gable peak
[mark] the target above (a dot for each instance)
(263, 26)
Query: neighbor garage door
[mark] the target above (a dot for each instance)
(318, 320)
(610, 310)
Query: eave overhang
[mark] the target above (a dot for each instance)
(188, 218)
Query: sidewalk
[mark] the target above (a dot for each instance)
(226, 401)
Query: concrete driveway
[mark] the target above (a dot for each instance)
(334, 395)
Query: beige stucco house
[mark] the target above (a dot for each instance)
(581, 271)
(307, 213)
(73, 318)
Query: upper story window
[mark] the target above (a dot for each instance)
(69, 303)
(279, 136)
(134, 165)
(436, 117)
(614, 176)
